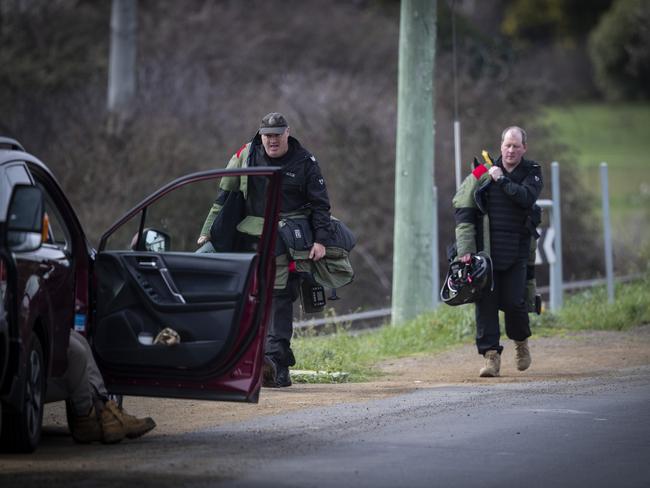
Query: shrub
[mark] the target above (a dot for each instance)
(619, 51)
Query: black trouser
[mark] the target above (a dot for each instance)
(278, 337)
(509, 295)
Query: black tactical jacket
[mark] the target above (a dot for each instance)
(303, 186)
(495, 216)
(303, 189)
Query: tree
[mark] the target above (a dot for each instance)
(552, 20)
(122, 67)
(619, 51)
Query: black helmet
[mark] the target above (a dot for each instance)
(465, 282)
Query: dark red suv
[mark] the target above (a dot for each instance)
(144, 277)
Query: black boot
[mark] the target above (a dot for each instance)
(283, 378)
(274, 375)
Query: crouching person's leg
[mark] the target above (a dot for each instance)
(84, 419)
(89, 394)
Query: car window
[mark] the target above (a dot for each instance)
(58, 233)
(14, 174)
(179, 214)
(17, 174)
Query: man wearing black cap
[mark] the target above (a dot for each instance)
(303, 191)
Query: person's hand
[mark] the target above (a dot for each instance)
(317, 251)
(495, 173)
(202, 240)
(466, 258)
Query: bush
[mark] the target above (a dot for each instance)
(619, 51)
(207, 71)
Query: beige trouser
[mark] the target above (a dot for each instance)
(82, 382)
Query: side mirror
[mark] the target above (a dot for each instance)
(25, 219)
(156, 240)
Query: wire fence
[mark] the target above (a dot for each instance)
(376, 317)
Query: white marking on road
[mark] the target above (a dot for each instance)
(558, 410)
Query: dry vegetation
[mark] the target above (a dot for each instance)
(207, 72)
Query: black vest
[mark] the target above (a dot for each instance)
(509, 235)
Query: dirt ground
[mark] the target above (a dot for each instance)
(572, 356)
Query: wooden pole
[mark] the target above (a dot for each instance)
(414, 238)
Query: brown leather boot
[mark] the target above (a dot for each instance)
(133, 427)
(112, 429)
(87, 428)
(522, 355)
(492, 364)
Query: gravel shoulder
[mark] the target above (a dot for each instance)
(558, 358)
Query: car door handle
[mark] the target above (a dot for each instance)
(47, 268)
(148, 263)
(171, 286)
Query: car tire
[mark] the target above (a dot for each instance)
(21, 431)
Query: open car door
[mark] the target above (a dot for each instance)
(149, 278)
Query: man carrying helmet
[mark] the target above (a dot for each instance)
(493, 211)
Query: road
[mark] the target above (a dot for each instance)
(536, 430)
(586, 433)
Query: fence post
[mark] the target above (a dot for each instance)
(459, 171)
(434, 252)
(556, 291)
(609, 262)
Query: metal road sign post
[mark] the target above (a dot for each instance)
(609, 261)
(556, 221)
(552, 242)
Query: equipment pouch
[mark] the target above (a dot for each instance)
(296, 234)
(312, 296)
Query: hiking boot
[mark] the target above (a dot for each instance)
(112, 428)
(86, 429)
(133, 426)
(283, 378)
(492, 364)
(275, 376)
(522, 355)
(269, 373)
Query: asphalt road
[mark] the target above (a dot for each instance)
(593, 432)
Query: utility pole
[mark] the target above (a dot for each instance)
(455, 76)
(415, 206)
(122, 63)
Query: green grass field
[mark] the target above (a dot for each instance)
(356, 354)
(618, 134)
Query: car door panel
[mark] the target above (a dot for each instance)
(220, 278)
(135, 298)
(219, 303)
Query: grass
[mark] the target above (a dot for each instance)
(356, 353)
(615, 133)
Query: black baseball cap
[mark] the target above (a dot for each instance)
(273, 123)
